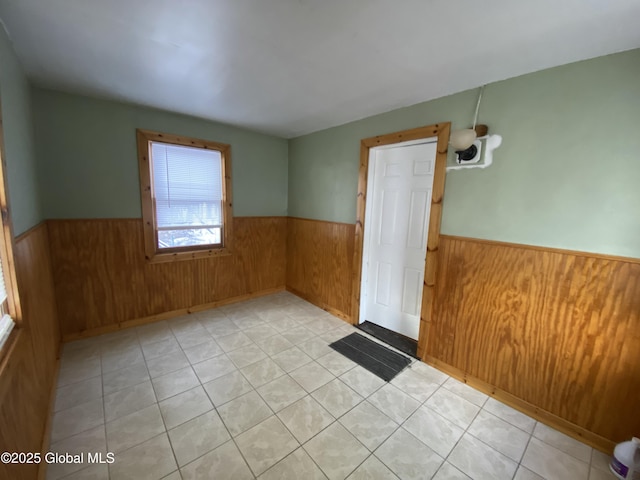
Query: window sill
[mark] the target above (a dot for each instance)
(160, 257)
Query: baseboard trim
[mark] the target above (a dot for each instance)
(42, 469)
(321, 304)
(69, 337)
(550, 419)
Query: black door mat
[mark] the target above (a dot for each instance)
(396, 340)
(379, 360)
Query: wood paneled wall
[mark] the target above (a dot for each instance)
(559, 330)
(28, 372)
(319, 263)
(102, 278)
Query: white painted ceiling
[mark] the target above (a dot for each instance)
(289, 67)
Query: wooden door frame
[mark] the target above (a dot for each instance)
(441, 131)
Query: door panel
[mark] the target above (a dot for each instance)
(402, 180)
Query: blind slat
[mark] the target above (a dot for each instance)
(3, 288)
(187, 185)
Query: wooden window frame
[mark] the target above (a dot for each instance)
(11, 305)
(153, 254)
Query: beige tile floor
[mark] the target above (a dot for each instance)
(252, 390)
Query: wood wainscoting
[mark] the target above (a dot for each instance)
(28, 371)
(103, 281)
(553, 333)
(558, 330)
(320, 263)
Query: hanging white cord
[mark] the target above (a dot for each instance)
(475, 117)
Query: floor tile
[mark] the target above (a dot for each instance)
(508, 414)
(362, 381)
(407, 457)
(213, 368)
(281, 392)
(77, 419)
(562, 442)
(372, 469)
(94, 472)
(266, 444)
(245, 356)
(524, 473)
(316, 347)
(233, 341)
(320, 326)
(88, 441)
(226, 388)
(155, 333)
(284, 324)
(312, 376)
(305, 418)
(334, 335)
(173, 476)
(298, 465)
(336, 451)
(193, 338)
(77, 393)
(435, 431)
(551, 463)
(369, 425)
(298, 335)
(452, 407)
(161, 348)
(465, 391)
(275, 344)
(262, 372)
(291, 359)
(596, 474)
(76, 372)
(394, 403)
(174, 383)
(449, 472)
(185, 406)
(206, 350)
(481, 462)
(113, 360)
(260, 332)
(431, 374)
(244, 412)
(123, 378)
(167, 364)
(247, 322)
(133, 429)
(184, 324)
(501, 435)
(221, 328)
(152, 459)
(336, 397)
(336, 363)
(223, 463)
(128, 400)
(600, 460)
(211, 315)
(198, 436)
(414, 385)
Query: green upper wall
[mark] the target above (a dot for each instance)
(88, 165)
(18, 140)
(567, 174)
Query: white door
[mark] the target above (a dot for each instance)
(396, 228)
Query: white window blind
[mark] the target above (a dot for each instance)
(6, 322)
(3, 288)
(187, 185)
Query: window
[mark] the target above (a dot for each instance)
(185, 185)
(10, 312)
